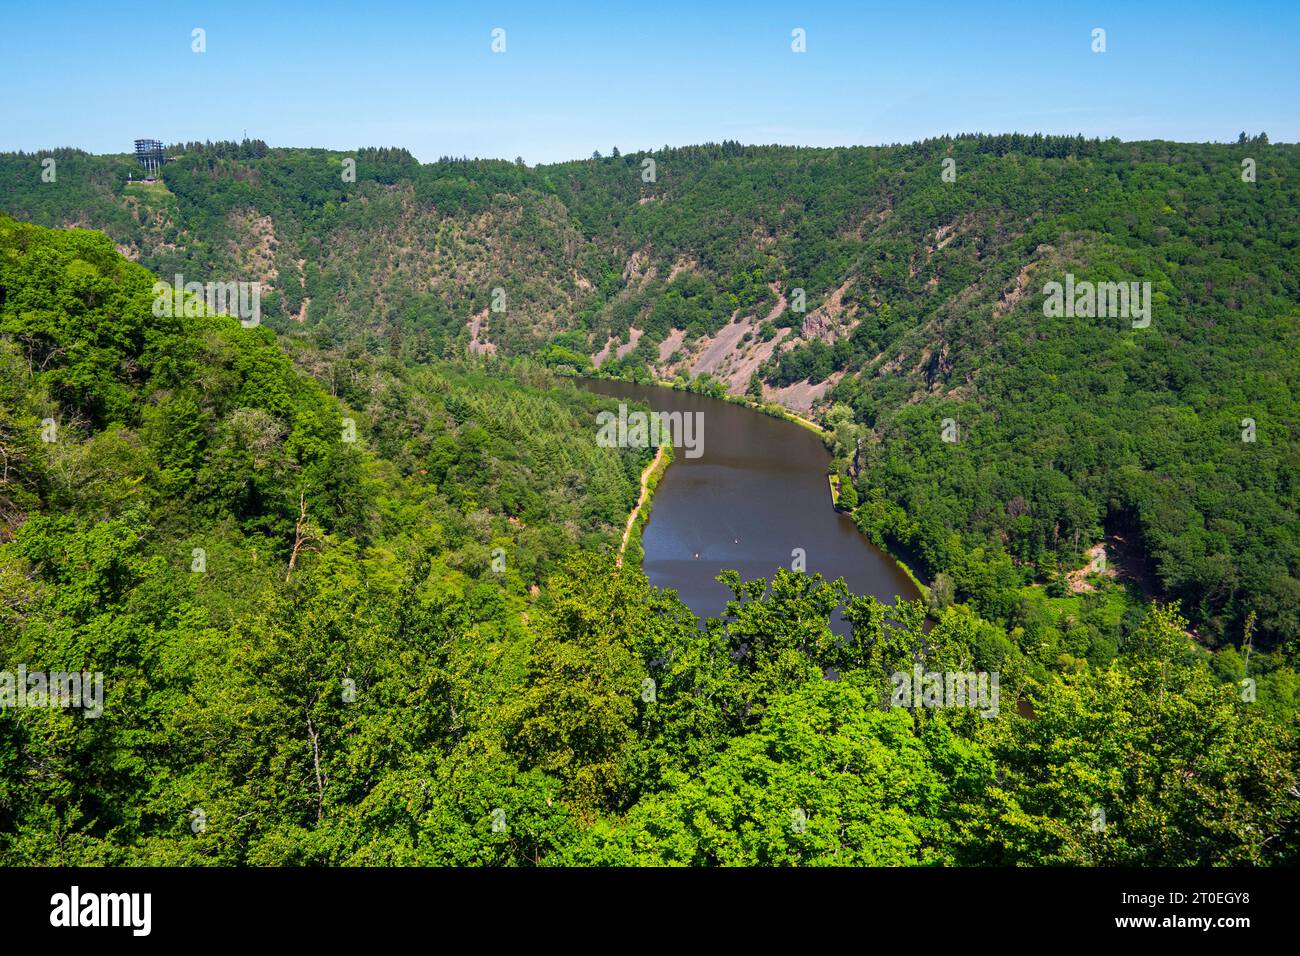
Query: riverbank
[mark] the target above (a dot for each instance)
(911, 575)
(773, 410)
(756, 496)
(650, 477)
(833, 480)
(779, 411)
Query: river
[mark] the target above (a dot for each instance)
(756, 493)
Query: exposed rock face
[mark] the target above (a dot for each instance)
(634, 337)
(801, 396)
(1008, 299)
(671, 343)
(600, 358)
(638, 268)
(823, 322)
(713, 351)
(478, 342)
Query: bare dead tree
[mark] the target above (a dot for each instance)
(304, 537)
(314, 737)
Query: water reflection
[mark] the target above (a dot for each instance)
(756, 494)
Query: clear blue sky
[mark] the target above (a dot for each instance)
(579, 77)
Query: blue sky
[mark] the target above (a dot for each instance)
(580, 77)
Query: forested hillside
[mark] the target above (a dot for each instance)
(310, 657)
(172, 482)
(922, 300)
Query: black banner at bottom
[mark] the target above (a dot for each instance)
(334, 906)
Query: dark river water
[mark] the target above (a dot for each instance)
(757, 492)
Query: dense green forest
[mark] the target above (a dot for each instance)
(923, 303)
(415, 646)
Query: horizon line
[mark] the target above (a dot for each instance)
(1253, 140)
